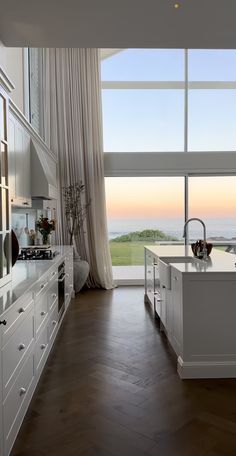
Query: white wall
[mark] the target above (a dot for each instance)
(12, 62)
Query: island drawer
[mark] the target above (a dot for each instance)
(15, 351)
(15, 315)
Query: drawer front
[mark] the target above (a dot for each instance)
(41, 311)
(41, 349)
(15, 315)
(52, 294)
(17, 395)
(53, 275)
(15, 351)
(40, 287)
(52, 324)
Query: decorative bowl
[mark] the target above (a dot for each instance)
(197, 248)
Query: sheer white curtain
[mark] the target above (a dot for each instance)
(72, 123)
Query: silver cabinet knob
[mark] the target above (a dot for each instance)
(54, 322)
(54, 295)
(43, 313)
(43, 346)
(176, 278)
(22, 391)
(21, 347)
(21, 310)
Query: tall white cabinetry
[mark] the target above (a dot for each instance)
(31, 325)
(19, 163)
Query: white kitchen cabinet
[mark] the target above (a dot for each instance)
(32, 323)
(176, 311)
(152, 282)
(19, 164)
(69, 278)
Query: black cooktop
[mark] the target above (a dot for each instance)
(36, 254)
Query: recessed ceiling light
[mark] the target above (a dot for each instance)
(176, 5)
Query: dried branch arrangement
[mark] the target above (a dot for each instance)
(75, 209)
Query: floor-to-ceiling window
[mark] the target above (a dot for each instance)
(163, 101)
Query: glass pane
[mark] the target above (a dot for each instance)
(4, 212)
(141, 211)
(212, 65)
(213, 199)
(144, 65)
(2, 118)
(4, 173)
(4, 254)
(143, 120)
(212, 115)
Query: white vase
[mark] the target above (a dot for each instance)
(81, 270)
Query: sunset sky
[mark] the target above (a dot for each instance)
(154, 197)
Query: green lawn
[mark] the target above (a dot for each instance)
(127, 253)
(130, 253)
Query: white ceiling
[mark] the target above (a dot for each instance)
(118, 23)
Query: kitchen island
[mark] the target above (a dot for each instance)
(195, 301)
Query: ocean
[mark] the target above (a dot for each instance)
(215, 227)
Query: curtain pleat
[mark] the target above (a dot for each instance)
(72, 121)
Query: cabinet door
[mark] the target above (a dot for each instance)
(22, 167)
(69, 279)
(169, 313)
(11, 158)
(18, 160)
(163, 304)
(26, 159)
(176, 312)
(5, 238)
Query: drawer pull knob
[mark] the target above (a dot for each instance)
(22, 391)
(21, 347)
(43, 313)
(54, 322)
(43, 346)
(54, 295)
(3, 322)
(21, 310)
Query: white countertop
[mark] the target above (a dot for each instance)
(218, 261)
(25, 273)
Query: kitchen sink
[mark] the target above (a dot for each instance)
(165, 268)
(179, 259)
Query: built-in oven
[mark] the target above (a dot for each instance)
(61, 289)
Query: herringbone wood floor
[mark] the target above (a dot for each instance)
(110, 388)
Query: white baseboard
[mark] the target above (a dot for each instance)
(209, 369)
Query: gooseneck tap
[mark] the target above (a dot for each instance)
(204, 234)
